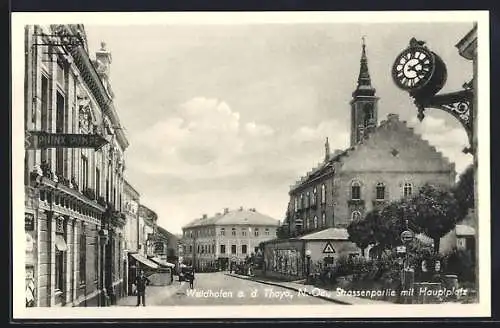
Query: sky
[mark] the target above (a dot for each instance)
(226, 116)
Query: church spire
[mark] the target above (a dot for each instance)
(327, 150)
(364, 80)
(363, 103)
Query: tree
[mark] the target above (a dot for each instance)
(361, 233)
(435, 211)
(463, 192)
(282, 232)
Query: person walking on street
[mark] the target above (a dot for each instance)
(191, 278)
(140, 282)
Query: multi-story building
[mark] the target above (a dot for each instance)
(147, 230)
(384, 162)
(72, 194)
(131, 201)
(227, 237)
(168, 244)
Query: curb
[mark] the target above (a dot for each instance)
(290, 288)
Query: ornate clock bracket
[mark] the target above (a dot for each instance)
(459, 104)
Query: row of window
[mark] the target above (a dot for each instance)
(87, 178)
(244, 232)
(310, 199)
(380, 190)
(314, 223)
(210, 249)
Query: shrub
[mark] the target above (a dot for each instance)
(460, 263)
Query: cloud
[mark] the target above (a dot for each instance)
(307, 137)
(255, 130)
(205, 138)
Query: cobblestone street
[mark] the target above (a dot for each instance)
(220, 289)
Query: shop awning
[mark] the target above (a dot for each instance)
(162, 262)
(61, 244)
(145, 261)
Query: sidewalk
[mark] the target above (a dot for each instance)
(328, 295)
(154, 294)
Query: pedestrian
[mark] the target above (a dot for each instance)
(191, 279)
(140, 282)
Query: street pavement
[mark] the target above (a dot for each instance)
(217, 288)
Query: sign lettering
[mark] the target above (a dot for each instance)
(42, 140)
(29, 222)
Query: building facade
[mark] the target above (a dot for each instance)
(131, 201)
(72, 195)
(384, 162)
(147, 230)
(231, 236)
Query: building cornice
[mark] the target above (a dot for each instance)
(94, 82)
(467, 47)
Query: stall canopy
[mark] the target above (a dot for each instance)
(145, 261)
(163, 262)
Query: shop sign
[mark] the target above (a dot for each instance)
(29, 222)
(42, 140)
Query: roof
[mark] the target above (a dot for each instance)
(167, 233)
(339, 155)
(236, 217)
(464, 230)
(128, 187)
(330, 233)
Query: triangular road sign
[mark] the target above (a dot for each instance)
(328, 248)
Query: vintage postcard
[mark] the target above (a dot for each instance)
(251, 165)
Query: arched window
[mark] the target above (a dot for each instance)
(315, 222)
(314, 195)
(323, 194)
(308, 199)
(407, 189)
(380, 191)
(301, 201)
(296, 204)
(323, 219)
(307, 223)
(356, 215)
(355, 190)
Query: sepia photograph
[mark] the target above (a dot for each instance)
(250, 165)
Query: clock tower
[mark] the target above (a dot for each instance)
(363, 103)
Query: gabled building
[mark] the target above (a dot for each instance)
(384, 162)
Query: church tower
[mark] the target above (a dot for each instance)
(363, 103)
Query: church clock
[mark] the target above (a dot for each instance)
(419, 71)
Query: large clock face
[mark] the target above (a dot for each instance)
(413, 68)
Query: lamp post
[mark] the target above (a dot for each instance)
(308, 264)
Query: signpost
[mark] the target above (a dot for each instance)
(328, 249)
(41, 140)
(407, 236)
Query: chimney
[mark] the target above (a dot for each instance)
(204, 216)
(226, 210)
(241, 208)
(217, 214)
